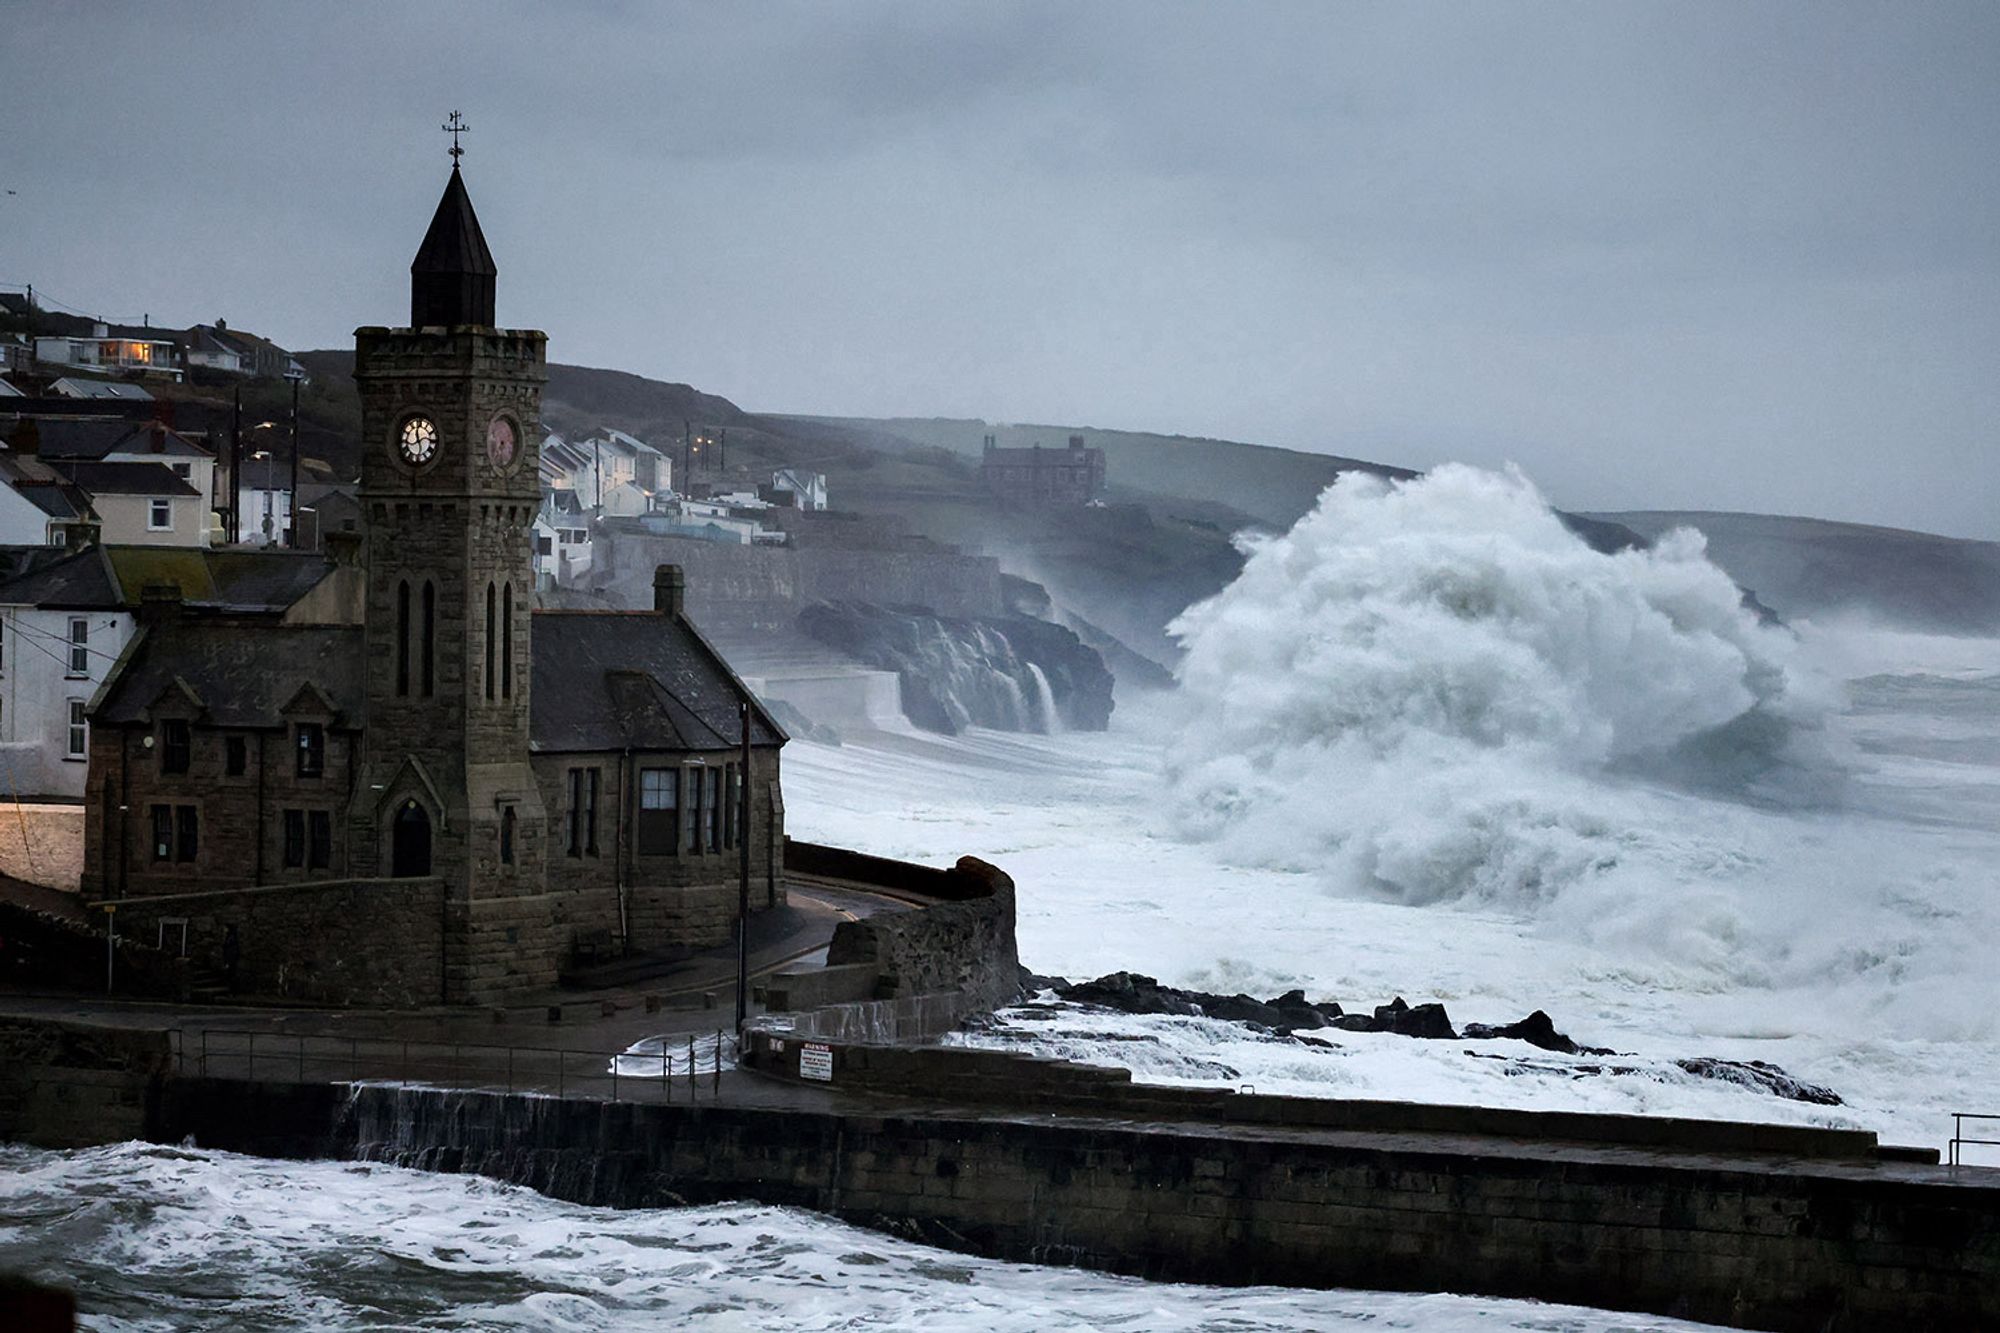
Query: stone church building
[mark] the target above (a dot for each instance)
(446, 793)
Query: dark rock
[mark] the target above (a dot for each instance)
(1424, 1020)
(1537, 1029)
(1758, 1074)
(1130, 993)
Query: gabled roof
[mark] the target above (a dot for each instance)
(260, 581)
(153, 479)
(95, 438)
(245, 675)
(614, 680)
(73, 386)
(9, 391)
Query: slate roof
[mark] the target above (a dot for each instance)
(76, 581)
(243, 675)
(73, 386)
(92, 438)
(452, 277)
(156, 479)
(57, 499)
(614, 680)
(102, 576)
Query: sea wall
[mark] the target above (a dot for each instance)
(909, 975)
(737, 588)
(72, 1085)
(1772, 1242)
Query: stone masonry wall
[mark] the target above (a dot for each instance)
(339, 942)
(964, 948)
(1774, 1243)
(71, 1085)
(738, 588)
(684, 900)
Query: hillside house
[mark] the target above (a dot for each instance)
(126, 350)
(1041, 478)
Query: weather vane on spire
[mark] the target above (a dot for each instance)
(455, 127)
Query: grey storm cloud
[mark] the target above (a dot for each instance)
(1740, 256)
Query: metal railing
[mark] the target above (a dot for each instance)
(1958, 1138)
(680, 1069)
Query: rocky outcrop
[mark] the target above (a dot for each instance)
(1292, 1017)
(1011, 673)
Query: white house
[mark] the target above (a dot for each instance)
(807, 490)
(562, 547)
(61, 628)
(144, 504)
(128, 350)
(40, 507)
(76, 386)
(267, 515)
(64, 623)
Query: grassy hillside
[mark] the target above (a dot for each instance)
(1811, 567)
(1269, 485)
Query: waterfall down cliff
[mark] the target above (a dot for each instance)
(1011, 673)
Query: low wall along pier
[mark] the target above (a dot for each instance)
(1759, 1226)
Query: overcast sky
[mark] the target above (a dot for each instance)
(1732, 256)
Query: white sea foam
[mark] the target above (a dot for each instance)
(1431, 744)
(158, 1238)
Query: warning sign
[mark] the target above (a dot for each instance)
(816, 1061)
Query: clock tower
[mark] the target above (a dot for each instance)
(450, 435)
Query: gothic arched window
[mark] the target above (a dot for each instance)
(430, 637)
(507, 640)
(492, 639)
(403, 637)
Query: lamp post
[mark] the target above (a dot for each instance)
(295, 375)
(270, 502)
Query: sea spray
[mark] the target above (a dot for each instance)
(1423, 687)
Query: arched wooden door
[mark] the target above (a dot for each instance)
(410, 854)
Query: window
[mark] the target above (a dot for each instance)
(295, 839)
(319, 851)
(176, 832)
(160, 516)
(403, 638)
(79, 646)
(312, 749)
(236, 756)
(543, 546)
(731, 799)
(507, 641)
(430, 637)
(576, 812)
(490, 644)
(185, 471)
(3, 643)
(714, 809)
(507, 836)
(583, 790)
(659, 814)
(691, 824)
(79, 731)
(176, 745)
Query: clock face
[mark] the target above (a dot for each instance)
(501, 442)
(418, 442)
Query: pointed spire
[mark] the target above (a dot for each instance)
(451, 279)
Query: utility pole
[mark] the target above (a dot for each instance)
(743, 878)
(292, 531)
(687, 453)
(236, 471)
(722, 450)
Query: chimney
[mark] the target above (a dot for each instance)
(669, 590)
(159, 602)
(1076, 441)
(27, 438)
(343, 547)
